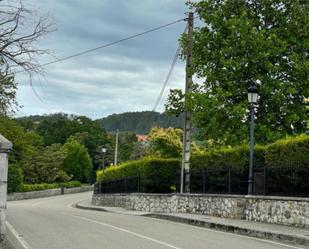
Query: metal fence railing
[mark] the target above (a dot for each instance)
(126, 185)
(272, 181)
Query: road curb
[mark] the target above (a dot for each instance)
(250, 232)
(291, 239)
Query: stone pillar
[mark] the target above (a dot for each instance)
(5, 147)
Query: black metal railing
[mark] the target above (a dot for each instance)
(125, 185)
(272, 181)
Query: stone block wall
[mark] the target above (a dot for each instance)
(46, 193)
(277, 210)
(221, 206)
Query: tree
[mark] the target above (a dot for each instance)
(20, 29)
(77, 162)
(265, 42)
(166, 142)
(8, 89)
(45, 166)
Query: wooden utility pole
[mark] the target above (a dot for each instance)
(116, 148)
(185, 167)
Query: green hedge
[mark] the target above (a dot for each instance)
(44, 186)
(235, 158)
(291, 152)
(156, 175)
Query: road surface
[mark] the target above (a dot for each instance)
(51, 223)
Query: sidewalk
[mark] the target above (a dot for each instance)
(292, 235)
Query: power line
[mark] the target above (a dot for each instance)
(168, 75)
(106, 45)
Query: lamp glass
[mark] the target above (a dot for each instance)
(252, 97)
(103, 150)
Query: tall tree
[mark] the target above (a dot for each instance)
(20, 30)
(265, 42)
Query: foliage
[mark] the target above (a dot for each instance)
(139, 122)
(25, 143)
(44, 186)
(165, 142)
(8, 89)
(239, 42)
(77, 162)
(15, 178)
(234, 157)
(290, 152)
(45, 166)
(156, 174)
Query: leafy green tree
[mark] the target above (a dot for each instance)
(265, 42)
(45, 166)
(165, 142)
(77, 162)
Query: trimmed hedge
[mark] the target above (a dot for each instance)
(156, 174)
(44, 186)
(160, 175)
(291, 152)
(236, 158)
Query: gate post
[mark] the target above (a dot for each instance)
(5, 147)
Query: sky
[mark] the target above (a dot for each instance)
(125, 77)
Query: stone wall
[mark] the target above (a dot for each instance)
(222, 206)
(277, 210)
(46, 193)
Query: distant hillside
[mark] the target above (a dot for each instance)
(139, 122)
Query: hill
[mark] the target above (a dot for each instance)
(139, 122)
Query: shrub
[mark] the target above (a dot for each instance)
(156, 175)
(15, 178)
(236, 158)
(291, 152)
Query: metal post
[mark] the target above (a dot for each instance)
(264, 180)
(5, 147)
(230, 181)
(185, 166)
(250, 179)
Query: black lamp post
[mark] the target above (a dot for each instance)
(252, 98)
(103, 152)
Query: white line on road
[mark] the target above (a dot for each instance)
(127, 231)
(17, 236)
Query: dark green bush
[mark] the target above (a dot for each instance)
(156, 175)
(236, 158)
(291, 152)
(15, 178)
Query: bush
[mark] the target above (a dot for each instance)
(15, 178)
(44, 186)
(236, 158)
(291, 152)
(156, 175)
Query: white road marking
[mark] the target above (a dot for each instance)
(127, 231)
(18, 237)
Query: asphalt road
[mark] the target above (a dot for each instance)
(51, 223)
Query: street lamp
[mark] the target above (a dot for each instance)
(252, 98)
(103, 152)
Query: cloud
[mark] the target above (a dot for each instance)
(125, 77)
